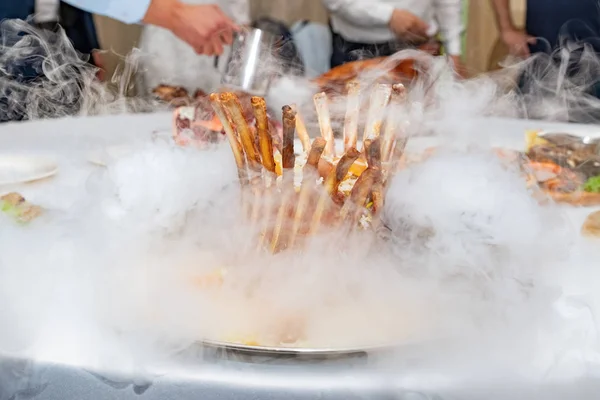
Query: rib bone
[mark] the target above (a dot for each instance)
(352, 113)
(322, 107)
(332, 184)
(235, 144)
(309, 181)
(301, 130)
(233, 106)
(288, 158)
(380, 97)
(392, 126)
(359, 194)
(265, 142)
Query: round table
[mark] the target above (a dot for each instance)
(212, 373)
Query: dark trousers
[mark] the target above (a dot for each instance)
(25, 74)
(26, 92)
(558, 25)
(555, 22)
(346, 51)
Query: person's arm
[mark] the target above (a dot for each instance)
(449, 16)
(361, 12)
(127, 11)
(517, 41)
(203, 26)
(503, 17)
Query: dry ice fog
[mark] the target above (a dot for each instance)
(471, 270)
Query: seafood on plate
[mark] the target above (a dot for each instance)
(565, 168)
(561, 165)
(292, 193)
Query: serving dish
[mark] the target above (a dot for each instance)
(25, 168)
(298, 351)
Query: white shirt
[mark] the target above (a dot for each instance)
(46, 11)
(168, 60)
(366, 21)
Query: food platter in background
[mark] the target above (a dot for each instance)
(196, 124)
(384, 69)
(566, 166)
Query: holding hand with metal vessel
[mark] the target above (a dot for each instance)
(204, 26)
(168, 59)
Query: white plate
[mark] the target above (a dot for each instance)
(20, 169)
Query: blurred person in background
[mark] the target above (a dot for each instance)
(549, 24)
(550, 27)
(22, 71)
(373, 28)
(168, 60)
(50, 14)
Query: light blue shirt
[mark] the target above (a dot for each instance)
(127, 11)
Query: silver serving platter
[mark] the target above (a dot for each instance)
(290, 350)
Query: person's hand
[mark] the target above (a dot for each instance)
(99, 63)
(517, 42)
(203, 26)
(408, 26)
(459, 67)
(432, 47)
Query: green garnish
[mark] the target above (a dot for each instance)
(15, 206)
(592, 185)
(9, 209)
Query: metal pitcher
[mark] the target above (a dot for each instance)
(251, 64)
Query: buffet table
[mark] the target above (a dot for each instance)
(209, 373)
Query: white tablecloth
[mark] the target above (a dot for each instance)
(71, 141)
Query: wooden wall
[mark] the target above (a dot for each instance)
(289, 10)
(482, 49)
(117, 39)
